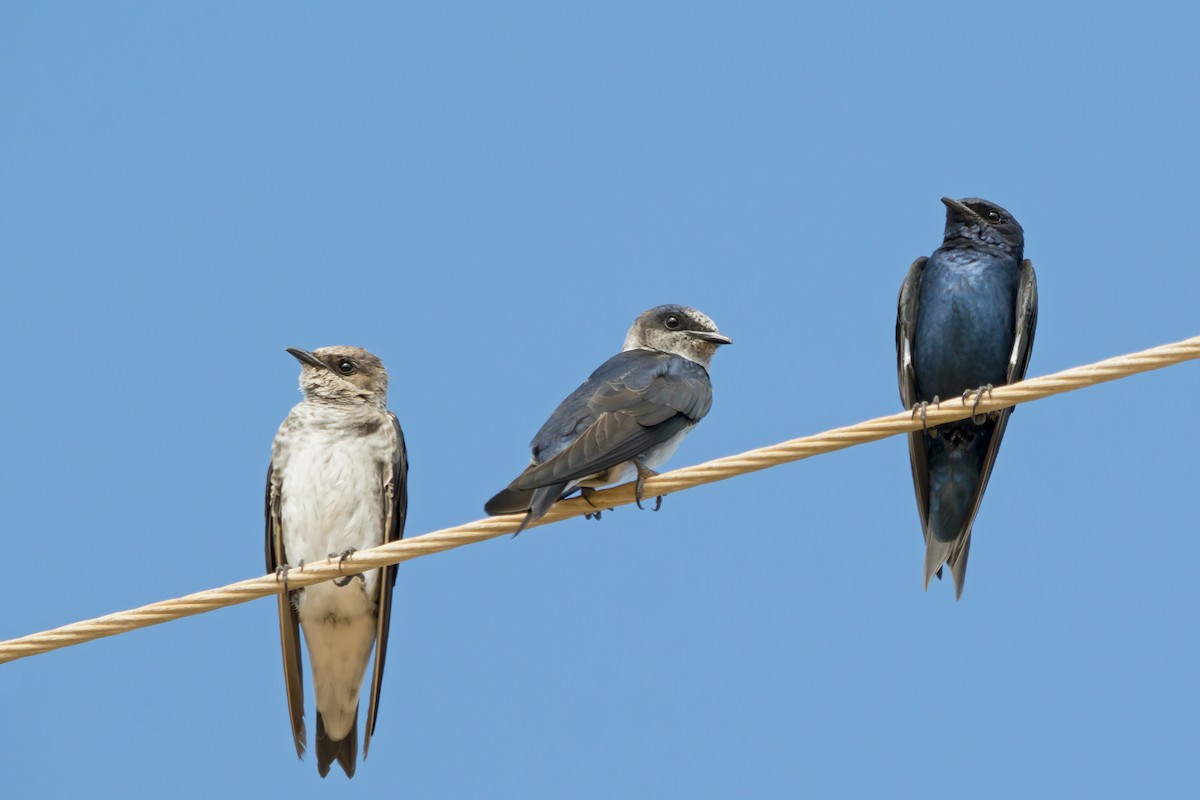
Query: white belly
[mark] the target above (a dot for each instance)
(332, 500)
(339, 629)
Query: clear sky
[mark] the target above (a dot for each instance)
(486, 195)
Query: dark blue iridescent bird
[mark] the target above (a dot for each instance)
(965, 323)
(626, 419)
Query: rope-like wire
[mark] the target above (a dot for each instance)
(677, 480)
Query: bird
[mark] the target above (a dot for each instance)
(338, 482)
(965, 321)
(626, 419)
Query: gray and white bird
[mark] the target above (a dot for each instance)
(337, 483)
(626, 419)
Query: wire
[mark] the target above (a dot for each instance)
(667, 483)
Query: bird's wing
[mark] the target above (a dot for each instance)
(395, 494)
(1026, 324)
(635, 401)
(289, 622)
(906, 326)
(1027, 308)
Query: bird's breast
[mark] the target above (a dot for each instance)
(331, 491)
(965, 325)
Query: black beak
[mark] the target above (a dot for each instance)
(712, 338)
(963, 210)
(305, 357)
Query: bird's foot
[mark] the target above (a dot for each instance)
(341, 557)
(921, 408)
(644, 472)
(987, 387)
(586, 493)
(281, 573)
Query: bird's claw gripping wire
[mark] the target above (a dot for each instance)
(644, 472)
(922, 407)
(341, 557)
(987, 387)
(281, 573)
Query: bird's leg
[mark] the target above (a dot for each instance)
(644, 472)
(921, 407)
(987, 387)
(341, 557)
(586, 493)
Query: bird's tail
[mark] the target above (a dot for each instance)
(345, 751)
(957, 476)
(543, 498)
(954, 552)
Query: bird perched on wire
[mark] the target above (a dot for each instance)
(965, 323)
(626, 419)
(337, 483)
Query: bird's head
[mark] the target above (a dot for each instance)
(978, 220)
(342, 374)
(679, 330)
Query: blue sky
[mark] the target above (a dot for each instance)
(485, 195)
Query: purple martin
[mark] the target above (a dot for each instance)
(965, 323)
(626, 419)
(337, 483)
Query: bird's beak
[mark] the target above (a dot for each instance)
(962, 209)
(305, 357)
(711, 338)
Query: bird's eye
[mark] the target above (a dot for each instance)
(672, 323)
(994, 216)
(346, 366)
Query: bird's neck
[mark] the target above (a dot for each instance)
(982, 244)
(701, 354)
(347, 403)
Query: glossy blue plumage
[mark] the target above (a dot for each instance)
(965, 323)
(966, 320)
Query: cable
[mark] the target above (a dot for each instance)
(667, 483)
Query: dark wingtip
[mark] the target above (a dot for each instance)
(509, 501)
(958, 568)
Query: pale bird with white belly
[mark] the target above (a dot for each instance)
(337, 483)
